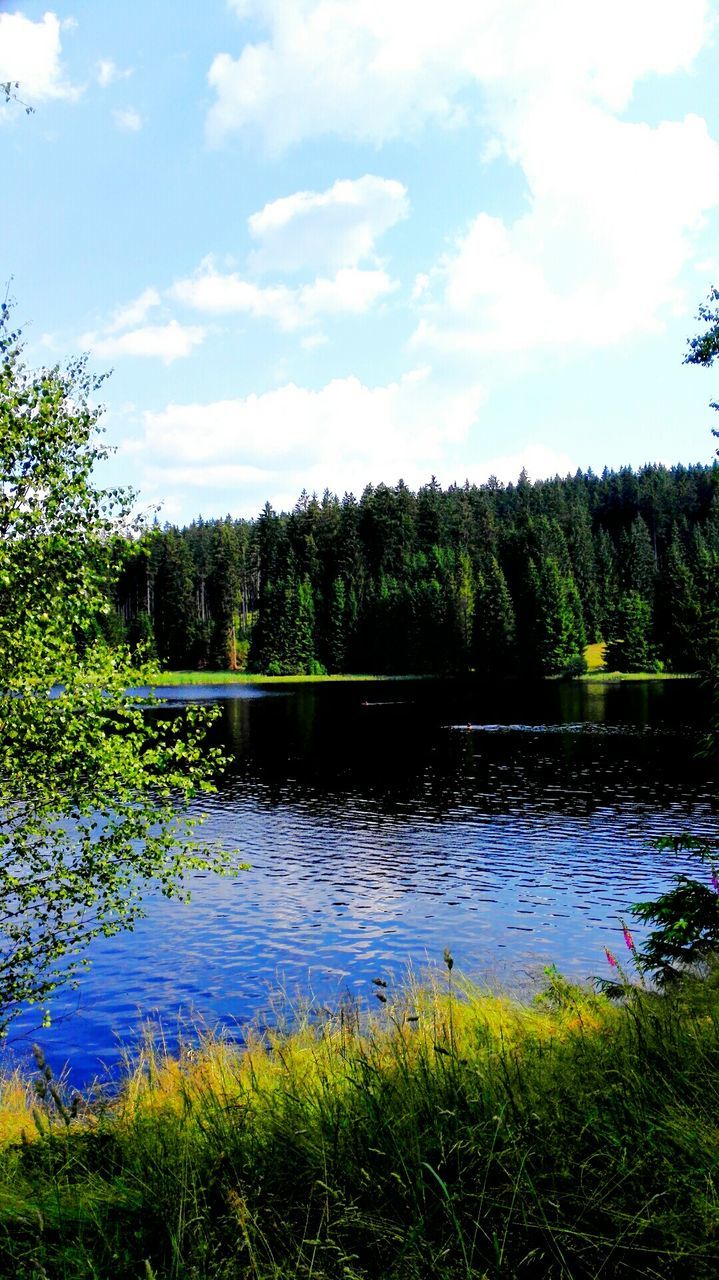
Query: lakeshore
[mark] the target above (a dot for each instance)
(451, 1134)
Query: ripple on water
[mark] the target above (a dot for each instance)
(375, 841)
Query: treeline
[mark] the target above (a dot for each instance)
(493, 579)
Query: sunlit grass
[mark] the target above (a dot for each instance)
(596, 671)
(244, 677)
(452, 1133)
(594, 656)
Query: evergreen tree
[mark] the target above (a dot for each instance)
(176, 617)
(638, 562)
(461, 612)
(630, 648)
(559, 628)
(300, 658)
(607, 583)
(494, 624)
(682, 607)
(336, 648)
(222, 591)
(584, 568)
(417, 572)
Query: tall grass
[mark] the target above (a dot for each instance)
(453, 1134)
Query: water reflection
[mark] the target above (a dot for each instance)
(385, 822)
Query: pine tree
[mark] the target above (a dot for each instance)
(176, 617)
(607, 583)
(336, 643)
(559, 635)
(223, 592)
(630, 648)
(682, 608)
(638, 561)
(494, 624)
(584, 568)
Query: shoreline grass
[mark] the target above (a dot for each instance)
(630, 677)
(597, 673)
(171, 678)
(453, 1134)
(593, 653)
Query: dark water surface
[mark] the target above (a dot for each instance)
(385, 822)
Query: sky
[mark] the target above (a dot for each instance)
(326, 243)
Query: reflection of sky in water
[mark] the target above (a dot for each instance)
(378, 835)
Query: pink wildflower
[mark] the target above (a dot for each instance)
(715, 880)
(610, 958)
(628, 939)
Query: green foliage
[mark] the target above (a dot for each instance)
(558, 632)
(704, 348)
(686, 939)
(455, 1137)
(440, 581)
(629, 648)
(687, 936)
(93, 793)
(495, 628)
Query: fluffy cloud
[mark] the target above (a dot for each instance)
(612, 205)
(30, 53)
(389, 69)
(351, 290)
(315, 230)
(133, 313)
(599, 254)
(342, 435)
(125, 334)
(331, 231)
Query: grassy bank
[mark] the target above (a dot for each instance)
(594, 654)
(614, 677)
(597, 673)
(244, 677)
(456, 1135)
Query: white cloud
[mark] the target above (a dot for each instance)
(342, 435)
(30, 53)
(312, 230)
(613, 206)
(133, 313)
(350, 290)
(389, 69)
(127, 119)
(108, 72)
(599, 254)
(167, 342)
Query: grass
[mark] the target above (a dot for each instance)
(594, 654)
(244, 677)
(613, 677)
(453, 1134)
(594, 657)
(597, 674)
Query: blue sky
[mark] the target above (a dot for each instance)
(323, 243)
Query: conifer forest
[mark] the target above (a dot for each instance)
(495, 579)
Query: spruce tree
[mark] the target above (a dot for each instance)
(630, 648)
(494, 623)
(559, 629)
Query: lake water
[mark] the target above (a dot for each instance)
(385, 822)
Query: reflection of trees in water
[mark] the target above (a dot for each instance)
(426, 748)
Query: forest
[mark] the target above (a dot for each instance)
(494, 579)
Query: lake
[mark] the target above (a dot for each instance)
(387, 821)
